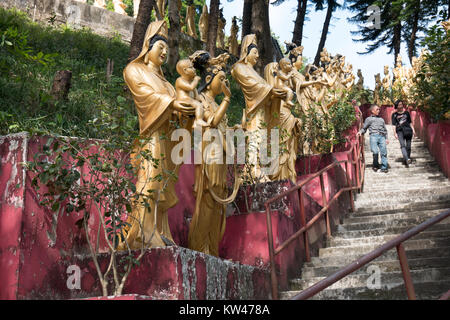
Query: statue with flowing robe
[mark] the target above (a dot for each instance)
(289, 132)
(221, 33)
(158, 116)
(190, 22)
(259, 95)
(203, 24)
(211, 191)
(233, 46)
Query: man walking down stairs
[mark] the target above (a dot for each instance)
(391, 204)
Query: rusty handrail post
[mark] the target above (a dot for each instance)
(324, 199)
(405, 272)
(352, 202)
(273, 273)
(303, 221)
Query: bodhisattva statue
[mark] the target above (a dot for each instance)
(221, 33)
(158, 114)
(302, 89)
(360, 83)
(258, 96)
(203, 24)
(208, 221)
(190, 21)
(233, 46)
(376, 91)
(386, 84)
(289, 126)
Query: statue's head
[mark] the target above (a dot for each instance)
(252, 54)
(186, 69)
(157, 50)
(211, 68)
(285, 65)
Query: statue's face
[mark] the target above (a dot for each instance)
(253, 56)
(158, 53)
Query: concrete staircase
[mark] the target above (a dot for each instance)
(391, 204)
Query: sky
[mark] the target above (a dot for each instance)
(339, 39)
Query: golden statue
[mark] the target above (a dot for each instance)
(258, 96)
(190, 21)
(208, 221)
(158, 113)
(221, 33)
(325, 56)
(203, 24)
(360, 83)
(386, 85)
(376, 91)
(233, 46)
(289, 126)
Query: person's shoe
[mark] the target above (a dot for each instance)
(384, 170)
(406, 164)
(409, 161)
(375, 169)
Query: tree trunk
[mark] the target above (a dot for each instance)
(323, 37)
(299, 22)
(261, 28)
(212, 27)
(412, 40)
(246, 18)
(61, 84)
(140, 27)
(174, 34)
(397, 40)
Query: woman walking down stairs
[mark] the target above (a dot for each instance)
(391, 204)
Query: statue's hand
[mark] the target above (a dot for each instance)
(226, 88)
(183, 108)
(278, 93)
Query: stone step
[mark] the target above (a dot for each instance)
(441, 226)
(366, 248)
(426, 186)
(399, 200)
(410, 222)
(384, 265)
(389, 255)
(354, 218)
(387, 279)
(402, 172)
(427, 290)
(408, 207)
(345, 242)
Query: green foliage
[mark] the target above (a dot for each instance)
(432, 81)
(28, 67)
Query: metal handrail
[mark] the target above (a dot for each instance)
(357, 154)
(397, 242)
